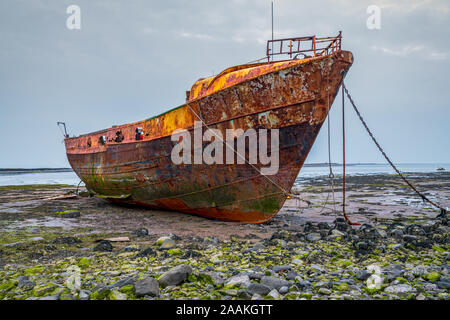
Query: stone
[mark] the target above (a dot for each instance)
(336, 233)
(147, 287)
(117, 295)
(284, 290)
(131, 248)
(168, 244)
(322, 284)
(242, 294)
(255, 275)
(291, 275)
(274, 294)
(142, 232)
(401, 290)
(69, 214)
(420, 297)
(257, 288)
(394, 272)
(124, 282)
(161, 240)
(444, 283)
(175, 275)
(313, 236)
(281, 268)
(274, 283)
(363, 275)
(324, 291)
(36, 239)
(216, 277)
(419, 270)
(397, 233)
(303, 284)
(84, 294)
(66, 240)
(104, 246)
(432, 276)
(362, 245)
(146, 252)
(381, 233)
(25, 284)
(256, 297)
(241, 280)
(323, 226)
(258, 246)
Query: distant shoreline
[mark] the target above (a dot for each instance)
(310, 165)
(34, 170)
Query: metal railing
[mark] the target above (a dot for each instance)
(301, 46)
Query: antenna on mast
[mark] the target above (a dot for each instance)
(272, 28)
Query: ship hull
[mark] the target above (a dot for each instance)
(294, 98)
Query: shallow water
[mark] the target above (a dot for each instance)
(70, 178)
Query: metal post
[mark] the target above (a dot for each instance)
(343, 150)
(272, 28)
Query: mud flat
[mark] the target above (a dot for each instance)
(58, 249)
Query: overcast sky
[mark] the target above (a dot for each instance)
(134, 59)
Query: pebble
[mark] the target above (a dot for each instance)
(257, 246)
(168, 243)
(257, 288)
(175, 275)
(363, 275)
(444, 283)
(142, 232)
(242, 280)
(274, 294)
(104, 245)
(274, 283)
(147, 287)
(124, 282)
(66, 240)
(401, 290)
(313, 236)
(281, 268)
(324, 291)
(284, 290)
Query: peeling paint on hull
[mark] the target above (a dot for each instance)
(293, 96)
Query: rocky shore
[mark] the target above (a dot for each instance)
(85, 248)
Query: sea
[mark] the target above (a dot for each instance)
(66, 176)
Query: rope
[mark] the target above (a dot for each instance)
(78, 187)
(331, 175)
(289, 195)
(424, 198)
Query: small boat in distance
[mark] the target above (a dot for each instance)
(132, 163)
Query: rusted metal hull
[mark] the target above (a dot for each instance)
(292, 96)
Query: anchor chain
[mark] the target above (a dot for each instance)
(443, 211)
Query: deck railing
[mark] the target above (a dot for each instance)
(301, 46)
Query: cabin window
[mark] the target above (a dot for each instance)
(139, 134)
(89, 143)
(102, 140)
(119, 137)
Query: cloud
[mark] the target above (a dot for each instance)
(420, 51)
(195, 35)
(401, 52)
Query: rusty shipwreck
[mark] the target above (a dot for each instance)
(131, 163)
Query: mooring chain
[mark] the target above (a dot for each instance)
(424, 198)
